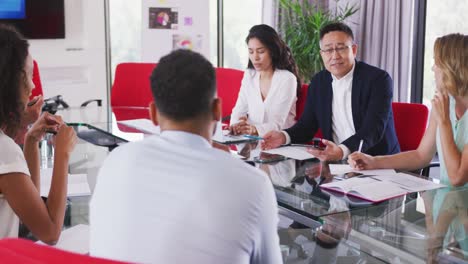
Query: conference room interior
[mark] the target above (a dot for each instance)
(92, 64)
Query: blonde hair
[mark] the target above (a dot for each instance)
(451, 56)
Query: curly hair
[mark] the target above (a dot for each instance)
(183, 85)
(13, 54)
(281, 56)
(451, 56)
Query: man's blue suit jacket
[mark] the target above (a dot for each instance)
(372, 92)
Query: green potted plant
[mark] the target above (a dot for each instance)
(302, 24)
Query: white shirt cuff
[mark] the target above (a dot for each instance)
(288, 138)
(345, 150)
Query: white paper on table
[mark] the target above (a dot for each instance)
(336, 169)
(142, 124)
(236, 155)
(77, 184)
(294, 152)
(74, 239)
(410, 182)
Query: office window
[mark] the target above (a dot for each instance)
(214, 32)
(125, 32)
(239, 17)
(442, 17)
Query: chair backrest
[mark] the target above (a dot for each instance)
(37, 81)
(300, 105)
(410, 124)
(14, 250)
(132, 85)
(228, 82)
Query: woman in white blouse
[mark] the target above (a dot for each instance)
(268, 94)
(19, 170)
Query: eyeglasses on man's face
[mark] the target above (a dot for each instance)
(340, 50)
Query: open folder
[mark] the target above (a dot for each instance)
(375, 188)
(367, 189)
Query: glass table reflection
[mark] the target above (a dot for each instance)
(316, 226)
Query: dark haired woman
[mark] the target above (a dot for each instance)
(268, 94)
(19, 170)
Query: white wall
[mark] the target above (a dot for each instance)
(75, 67)
(158, 42)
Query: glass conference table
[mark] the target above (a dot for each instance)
(315, 226)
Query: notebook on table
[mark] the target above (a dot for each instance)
(366, 188)
(377, 188)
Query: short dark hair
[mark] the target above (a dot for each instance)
(336, 26)
(281, 55)
(13, 53)
(183, 85)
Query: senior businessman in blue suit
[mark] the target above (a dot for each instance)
(349, 101)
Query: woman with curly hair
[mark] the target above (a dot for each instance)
(19, 170)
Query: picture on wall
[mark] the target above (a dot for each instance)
(163, 18)
(180, 41)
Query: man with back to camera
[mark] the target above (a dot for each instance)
(349, 101)
(173, 198)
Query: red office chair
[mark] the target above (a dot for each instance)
(37, 82)
(228, 83)
(14, 250)
(410, 124)
(131, 86)
(300, 105)
(131, 92)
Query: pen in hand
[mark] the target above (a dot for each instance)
(360, 145)
(53, 132)
(253, 137)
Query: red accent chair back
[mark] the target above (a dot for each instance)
(300, 105)
(131, 86)
(37, 82)
(228, 83)
(410, 124)
(14, 250)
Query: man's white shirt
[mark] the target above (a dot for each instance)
(174, 199)
(342, 114)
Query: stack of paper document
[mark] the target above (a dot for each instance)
(409, 182)
(74, 239)
(337, 169)
(144, 125)
(77, 184)
(293, 152)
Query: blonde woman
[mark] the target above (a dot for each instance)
(448, 125)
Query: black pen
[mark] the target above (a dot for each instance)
(369, 176)
(53, 132)
(300, 145)
(33, 102)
